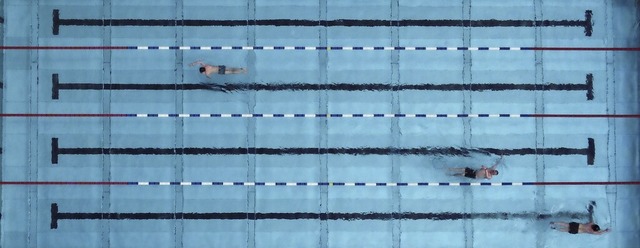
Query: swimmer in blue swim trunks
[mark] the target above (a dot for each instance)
(575, 227)
(207, 69)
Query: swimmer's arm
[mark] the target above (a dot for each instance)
(485, 170)
(603, 231)
(496, 164)
(198, 62)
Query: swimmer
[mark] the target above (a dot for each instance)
(575, 227)
(482, 173)
(207, 70)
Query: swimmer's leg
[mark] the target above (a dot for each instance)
(560, 226)
(235, 70)
(457, 171)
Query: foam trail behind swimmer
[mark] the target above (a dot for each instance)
(216, 87)
(467, 157)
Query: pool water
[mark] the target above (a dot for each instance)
(354, 132)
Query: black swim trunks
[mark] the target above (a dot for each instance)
(221, 69)
(574, 227)
(470, 173)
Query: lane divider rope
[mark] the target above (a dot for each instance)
(311, 184)
(324, 48)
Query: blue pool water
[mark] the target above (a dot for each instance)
(383, 150)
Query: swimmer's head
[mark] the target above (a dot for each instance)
(494, 172)
(595, 227)
(202, 69)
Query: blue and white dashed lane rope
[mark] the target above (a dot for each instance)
(29, 115)
(316, 184)
(326, 48)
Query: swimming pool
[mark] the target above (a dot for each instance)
(271, 128)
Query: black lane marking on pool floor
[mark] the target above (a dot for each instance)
(57, 216)
(230, 87)
(56, 151)
(587, 23)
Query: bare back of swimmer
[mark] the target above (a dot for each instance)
(482, 173)
(207, 69)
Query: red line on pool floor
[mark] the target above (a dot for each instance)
(60, 183)
(630, 49)
(587, 183)
(135, 183)
(586, 115)
(134, 115)
(64, 48)
(60, 115)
